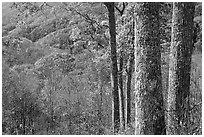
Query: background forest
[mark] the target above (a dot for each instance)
(57, 61)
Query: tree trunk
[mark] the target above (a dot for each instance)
(112, 31)
(51, 103)
(179, 68)
(24, 117)
(129, 76)
(148, 91)
(122, 102)
(129, 79)
(100, 130)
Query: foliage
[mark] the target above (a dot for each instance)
(19, 50)
(19, 103)
(52, 54)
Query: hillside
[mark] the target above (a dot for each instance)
(57, 64)
(8, 14)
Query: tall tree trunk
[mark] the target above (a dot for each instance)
(122, 102)
(122, 94)
(179, 68)
(129, 76)
(52, 90)
(147, 68)
(24, 117)
(51, 103)
(129, 79)
(100, 130)
(112, 31)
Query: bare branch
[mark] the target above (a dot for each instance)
(196, 105)
(85, 16)
(120, 11)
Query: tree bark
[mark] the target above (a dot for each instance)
(51, 90)
(177, 116)
(129, 79)
(112, 31)
(100, 86)
(23, 116)
(129, 75)
(122, 102)
(148, 91)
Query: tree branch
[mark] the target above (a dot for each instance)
(120, 11)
